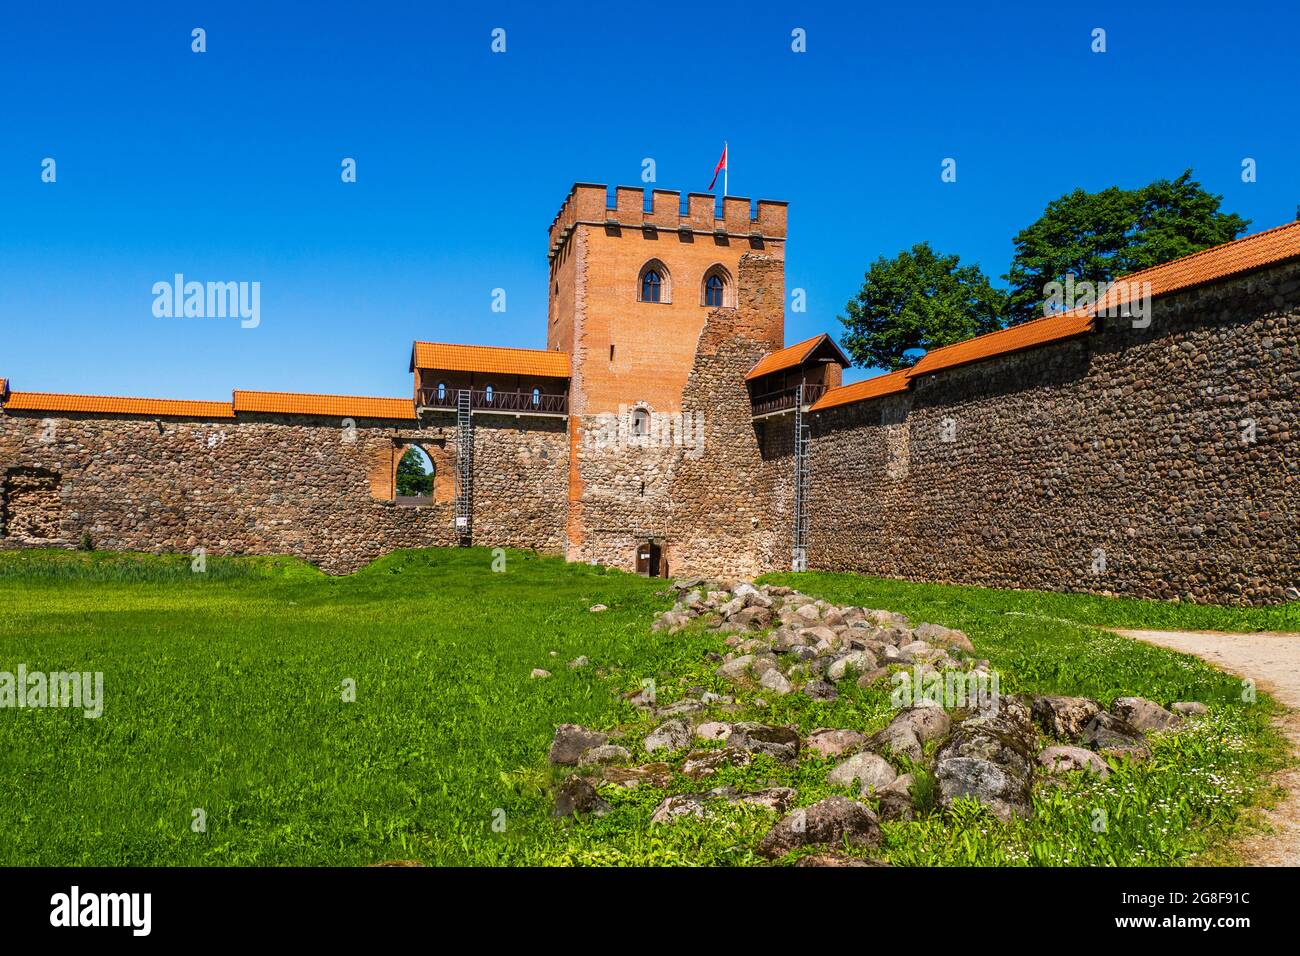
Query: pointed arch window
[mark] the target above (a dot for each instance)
(654, 283)
(716, 292)
(651, 286)
(713, 291)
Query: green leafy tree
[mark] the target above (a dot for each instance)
(918, 300)
(1097, 237)
(412, 480)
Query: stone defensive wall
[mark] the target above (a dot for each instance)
(269, 473)
(1156, 462)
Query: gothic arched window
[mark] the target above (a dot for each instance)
(654, 284)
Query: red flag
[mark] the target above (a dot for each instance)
(722, 164)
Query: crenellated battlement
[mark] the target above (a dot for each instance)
(638, 208)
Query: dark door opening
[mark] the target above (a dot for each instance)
(648, 559)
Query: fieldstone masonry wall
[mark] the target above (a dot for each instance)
(29, 504)
(269, 484)
(1158, 462)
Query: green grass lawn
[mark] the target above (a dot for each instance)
(224, 691)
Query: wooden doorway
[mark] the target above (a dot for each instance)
(649, 560)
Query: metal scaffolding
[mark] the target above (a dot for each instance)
(802, 481)
(464, 467)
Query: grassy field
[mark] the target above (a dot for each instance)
(224, 691)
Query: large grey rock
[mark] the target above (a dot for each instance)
(853, 615)
(832, 821)
(1058, 760)
(784, 641)
(677, 806)
(571, 741)
(753, 617)
(886, 618)
(671, 621)
(819, 636)
(577, 795)
(1064, 717)
(1005, 794)
(899, 739)
(851, 665)
(1145, 715)
(949, 637)
(775, 681)
(606, 754)
(919, 651)
(871, 678)
(781, 743)
(777, 799)
(736, 669)
(808, 613)
(732, 608)
(680, 708)
(670, 735)
(1107, 732)
(831, 741)
(896, 799)
(990, 759)
(713, 730)
(657, 775)
(820, 690)
(869, 771)
(705, 763)
(926, 722)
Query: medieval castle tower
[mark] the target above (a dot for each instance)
(655, 305)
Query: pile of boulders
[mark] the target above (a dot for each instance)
(776, 641)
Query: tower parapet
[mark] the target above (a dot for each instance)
(588, 204)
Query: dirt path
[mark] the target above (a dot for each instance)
(1273, 662)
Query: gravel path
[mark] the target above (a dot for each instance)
(1273, 662)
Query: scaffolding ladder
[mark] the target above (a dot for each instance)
(464, 467)
(802, 481)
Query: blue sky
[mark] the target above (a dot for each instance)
(225, 165)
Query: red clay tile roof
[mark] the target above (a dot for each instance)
(1218, 262)
(792, 356)
(4, 388)
(105, 404)
(335, 406)
(1208, 265)
(489, 358)
(1052, 328)
(886, 384)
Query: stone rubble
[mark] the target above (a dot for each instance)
(775, 641)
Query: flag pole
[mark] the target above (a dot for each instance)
(726, 167)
